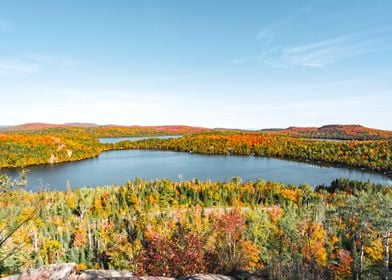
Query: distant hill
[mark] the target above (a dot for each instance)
(28, 126)
(112, 130)
(136, 130)
(332, 131)
(81, 124)
(50, 125)
(337, 131)
(271, 129)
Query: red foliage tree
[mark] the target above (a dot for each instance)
(177, 255)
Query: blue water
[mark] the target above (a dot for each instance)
(116, 167)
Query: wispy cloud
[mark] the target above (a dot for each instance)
(268, 33)
(318, 54)
(32, 63)
(258, 57)
(329, 51)
(57, 61)
(15, 67)
(278, 49)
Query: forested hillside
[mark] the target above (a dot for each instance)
(46, 146)
(58, 144)
(123, 131)
(179, 228)
(373, 155)
(112, 130)
(344, 132)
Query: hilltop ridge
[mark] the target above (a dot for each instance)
(338, 131)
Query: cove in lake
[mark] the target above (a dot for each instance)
(117, 167)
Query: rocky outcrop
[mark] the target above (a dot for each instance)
(50, 272)
(68, 271)
(53, 159)
(206, 277)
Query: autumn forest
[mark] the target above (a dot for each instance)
(162, 227)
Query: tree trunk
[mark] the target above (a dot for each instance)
(354, 264)
(360, 262)
(385, 270)
(90, 245)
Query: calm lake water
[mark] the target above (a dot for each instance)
(109, 140)
(116, 167)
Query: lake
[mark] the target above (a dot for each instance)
(116, 167)
(112, 140)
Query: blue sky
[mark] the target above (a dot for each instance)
(245, 64)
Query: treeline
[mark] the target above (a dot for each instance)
(343, 132)
(334, 131)
(126, 131)
(23, 147)
(107, 130)
(372, 155)
(67, 144)
(162, 227)
(47, 146)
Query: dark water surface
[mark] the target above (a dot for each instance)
(116, 167)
